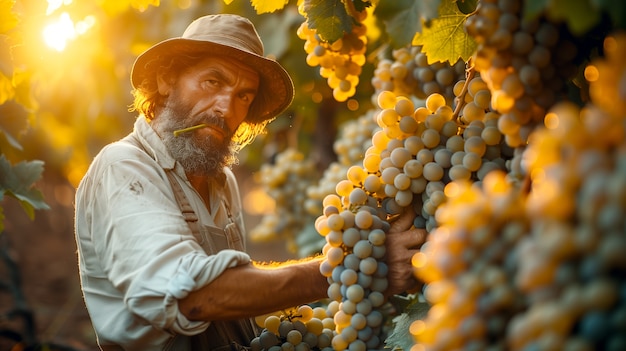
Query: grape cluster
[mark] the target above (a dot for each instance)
(576, 279)
(420, 150)
(524, 61)
(285, 181)
(408, 73)
(354, 230)
(300, 329)
(537, 265)
(414, 153)
(467, 267)
(340, 62)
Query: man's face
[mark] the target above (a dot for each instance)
(217, 92)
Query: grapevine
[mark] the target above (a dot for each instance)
(520, 190)
(538, 268)
(340, 62)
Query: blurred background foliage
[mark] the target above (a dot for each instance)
(80, 93)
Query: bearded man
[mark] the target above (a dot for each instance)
(159, 223)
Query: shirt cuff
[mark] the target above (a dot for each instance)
(189, 277)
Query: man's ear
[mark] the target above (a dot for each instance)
(164, 83)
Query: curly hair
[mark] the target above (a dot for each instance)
(147, 97)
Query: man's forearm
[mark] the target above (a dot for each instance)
(252, 290)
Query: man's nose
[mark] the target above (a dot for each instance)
(223, 104)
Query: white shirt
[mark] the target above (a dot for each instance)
(137, 255)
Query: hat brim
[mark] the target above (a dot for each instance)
(276, 90)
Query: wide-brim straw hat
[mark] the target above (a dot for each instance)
(233, 36)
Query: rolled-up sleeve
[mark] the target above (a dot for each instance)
(144, 244)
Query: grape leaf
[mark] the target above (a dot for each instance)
(8, 19)
(445, 39)
(329, 18)
(401, 337)
(403, 18)
(18, 180)
(268, 6)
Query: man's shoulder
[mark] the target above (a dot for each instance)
(119, 153)
(122, 149)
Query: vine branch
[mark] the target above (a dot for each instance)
(460, 100)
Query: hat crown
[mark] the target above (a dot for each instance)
(226, 29)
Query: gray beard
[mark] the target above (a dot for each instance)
(200, 157)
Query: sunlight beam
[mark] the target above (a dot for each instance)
(57, 34)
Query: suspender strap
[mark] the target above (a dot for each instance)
(183, 203)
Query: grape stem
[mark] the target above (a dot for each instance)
(460, 100)
(189, 129)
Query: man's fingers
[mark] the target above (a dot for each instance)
(404, 221)
(409, 239)
(419, 238)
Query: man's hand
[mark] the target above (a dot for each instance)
(402, 243)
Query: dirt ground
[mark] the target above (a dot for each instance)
(45, 252)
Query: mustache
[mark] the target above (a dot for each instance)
(213, 120)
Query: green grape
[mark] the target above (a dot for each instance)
(433, 171)
(459, 172)
(431, 138)
(362, 249)
(355, 293)
(268, 339)
(348, 277)
(350, 237)
(475, 144)
(443, 158)
(425, 156)
(402, 181)
(412, 168)
(358, 196)
(400, 156)
(294, 337)
(455, 143)
(434, 101)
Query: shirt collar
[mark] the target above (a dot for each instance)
(153, 144)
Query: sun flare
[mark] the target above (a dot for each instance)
(57, 34)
